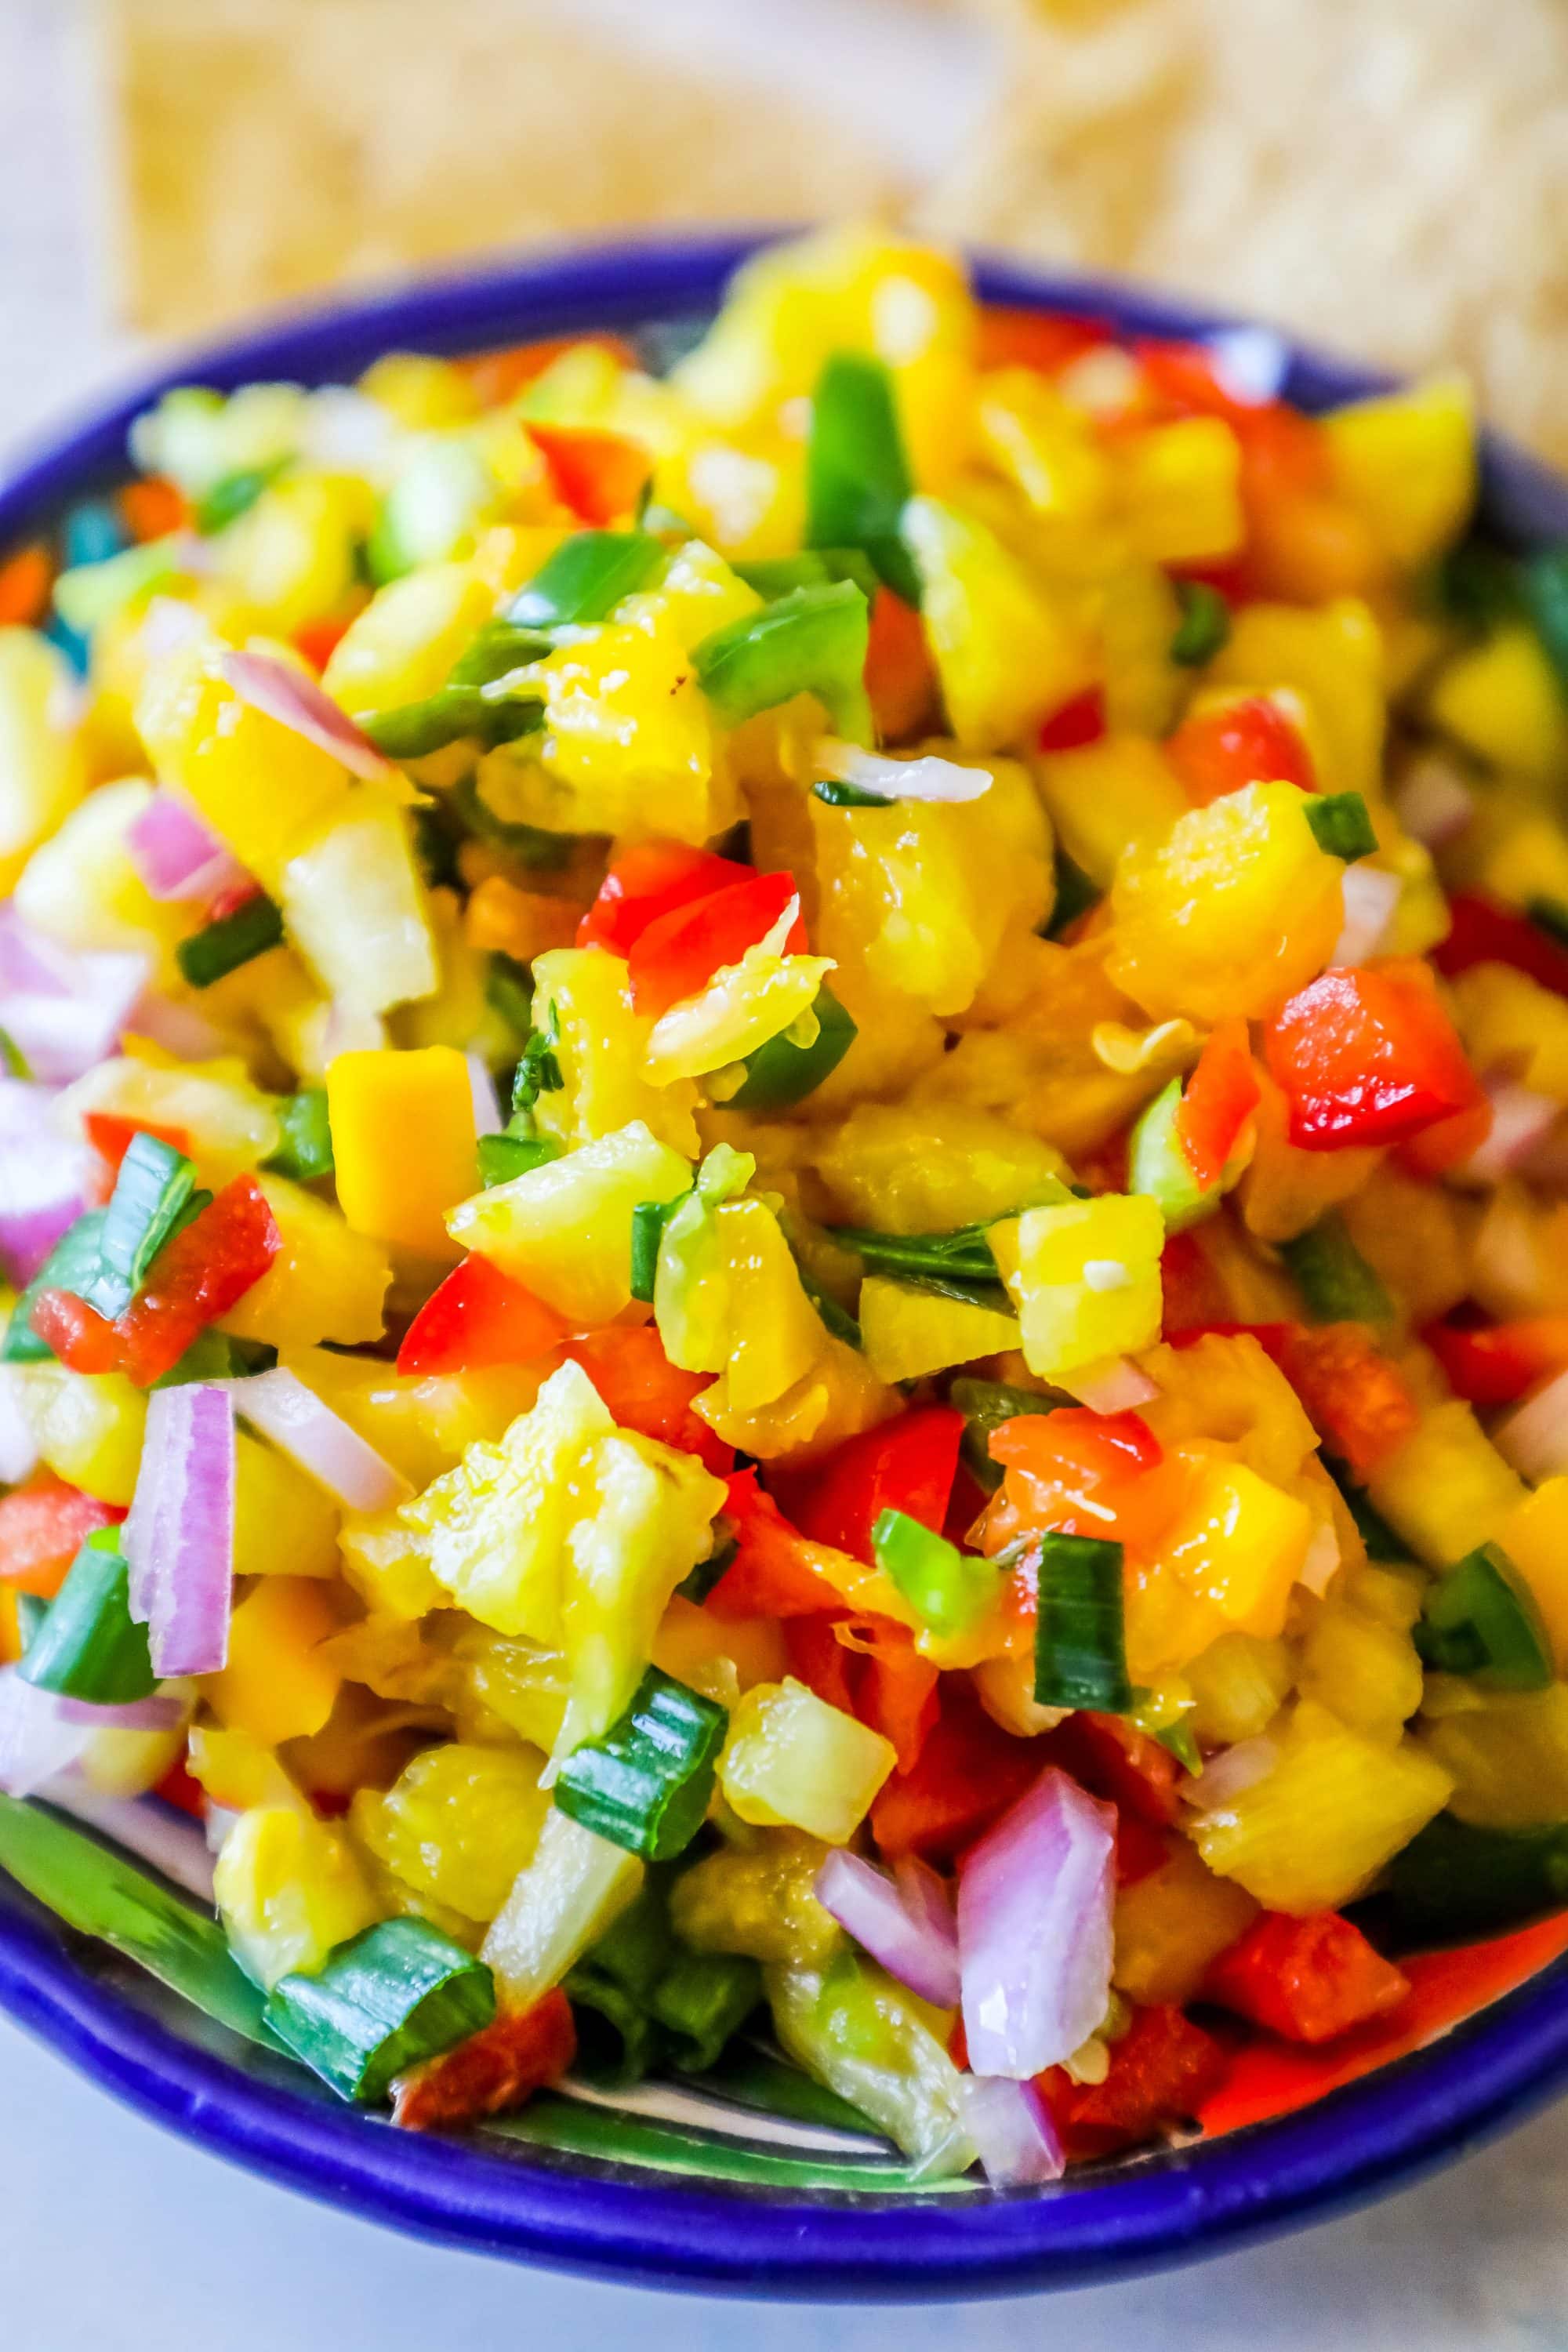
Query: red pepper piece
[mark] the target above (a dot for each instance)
(679, 953)
(904, 1464)
(1048, 341)
(1112, 1758)
(1140, 1849)
(196, 1277)
(1306, 1980)
(478, 1316)
(1497, 1363)
(179, 1788)
(901, 675)
(319, 640)
(651, 880)
(969, 1771)
(1161, 2071)
(647, 1392)
(1480, 931)
(1075, 724)
(1367, 1056)
(776, 1572)
(1355, 1397)
(81, 1338)
(1195, 1299)
(43, 1526)
(25, 584)
(1247, 740)
(492, 2071)
(111, 1135)
(152, 507)
(1220, 1097)
(599, 475)
(1074, 1471)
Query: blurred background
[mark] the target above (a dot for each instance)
(1390, 176)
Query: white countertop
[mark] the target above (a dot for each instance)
(114, 2237)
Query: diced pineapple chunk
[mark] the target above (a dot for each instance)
(1120, 790)
(1501, 700)
(81, 885)
(1006, 651)
(758, 1899)
(917, 1171)
(791, 1760)
(1331, 657)
(1179, 489)
(1085, 1277)
(1238, 1684)
(1447, 1489)
(292, 555)
(1237, 907)
(563, 1900)
(1506, 1751)
(229, 1124)
(402, 646)
(1319, 1825)
(355, 907)
(276, 1686)
(564, 1229)
(1406, 462)
(583, 1000)
(1046, 446)
(42, 771)
(458, 1824)
(728, 1299)
(1509, 1021)
(327, 1281)
(1170, 1924)
(236, 1773)
(908, 1332)
(289, 1891)
(87, 1426)
(1359, 1662)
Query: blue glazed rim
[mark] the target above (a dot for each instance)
(596, 2218)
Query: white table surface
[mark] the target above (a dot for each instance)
(115, 2237)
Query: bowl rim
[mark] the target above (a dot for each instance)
(1359, 2141)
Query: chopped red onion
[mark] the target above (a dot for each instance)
(282, 1408)
(1521, 1120)
(1225, 1776)
(145, 1827)
(64, 1010)
(36, 1739)
(1371, 896)
(488, 1117)
(1534, 1438)
(1034, 1929)
(927, 1897)
(1013, 2132)
(1116, 1384)
(867, 1903)
(162, 1712)
(177, 856)
(43, 1189)
(179, 1535)
(180, 1029)
(929, 779)
(1322, 1559)
(1434, 802)
(296, 701)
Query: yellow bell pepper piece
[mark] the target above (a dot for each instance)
(274, 1688)
(791, 1761)
(403, 1143)
(1085, 1277)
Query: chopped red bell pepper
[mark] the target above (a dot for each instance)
(1161, 2071)
(1272, 1337)
(493, 2071)
(1495, 1364)
(1112, 1758)
(478, 1316)
(1356, 1398)
(111, 1135)
(319, 640)
(870, 1668)
(651, 880)
(1447, 1142)
(646, 1391)
(1480, 931)
(152, 507)
(1185, 380)
(679, 953)
(776, 1570)
(969, 1772)
(25, 584)
(196, 1277)
(82, 1339)
(1140, 1849)
(1195, 1299)
(1367, 1056)
(600, 475)
(901, 673)
(1047, 340)
(179, 1788)
(43, 1526)
(1306, 1980)
(1074, 1471)
(903, 1465)
(1075, 724)
(1247, 740)
(1220, 1099)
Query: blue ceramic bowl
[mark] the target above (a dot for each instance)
(687, 2204)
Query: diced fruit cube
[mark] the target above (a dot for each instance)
(791, 1760)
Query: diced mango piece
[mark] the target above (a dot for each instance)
(1406, 462)
(1510, 1021)
(906, 1332)
(564, 1229)
(289, 1891)
(1317, 1827)
(327, 1281)
(284, 1523)
(403, 1143)
(1237, 1547)
(791, 1760)
(1535, 1536)
(458, 1823)
(81, 887)
(276, 1686)
(1233, 909)
(1179, 489)
(1085, 1277)
(1331, 657)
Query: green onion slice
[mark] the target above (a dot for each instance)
(1340, 825)
(947, 1591)
(645, 1784)
(812, 641)
(1481, 1619)
(1080, 1648)
(503, 1157)
(1204, 623)
(585, 578)
(306, 1149)
(151, 1198)
(858, 476)
(702, 1999)
(815, 567)
(781, 1073)
(1335, 1281)
(397, 1994)
(89, 1646)
(235, 938)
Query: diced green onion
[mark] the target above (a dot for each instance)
(233, 495)
(15, 1062)
(986, 1406)
(497, 648)
(508, 991)
(306, 1149)
(1076, 894)
(215, 1356)
(239, 938)
(815, 567)
(72, 1263)
(397, 1994)
(649, 1219)
(858, 476)
(698, 1581)
(30, 1615)
(1544, 581)
(1158, 1165)
(1180, 1740)
(835, 1319)
(585, 578)
(1081, 1646)
(618, 2042)
(1340, 825)
(1335, 1281)
(645, 1784)
(812, 641)
(1481, 1619)
(412, 730)
(537, 1071)
(781, 1073)
(503, 1157)
(833, 793)
(1456, 1884)
(961, 1256)
(947, 1590)
(531, 843)
(702, 1999)
(1204, 623)
(89, 1646)
(151, 1194)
